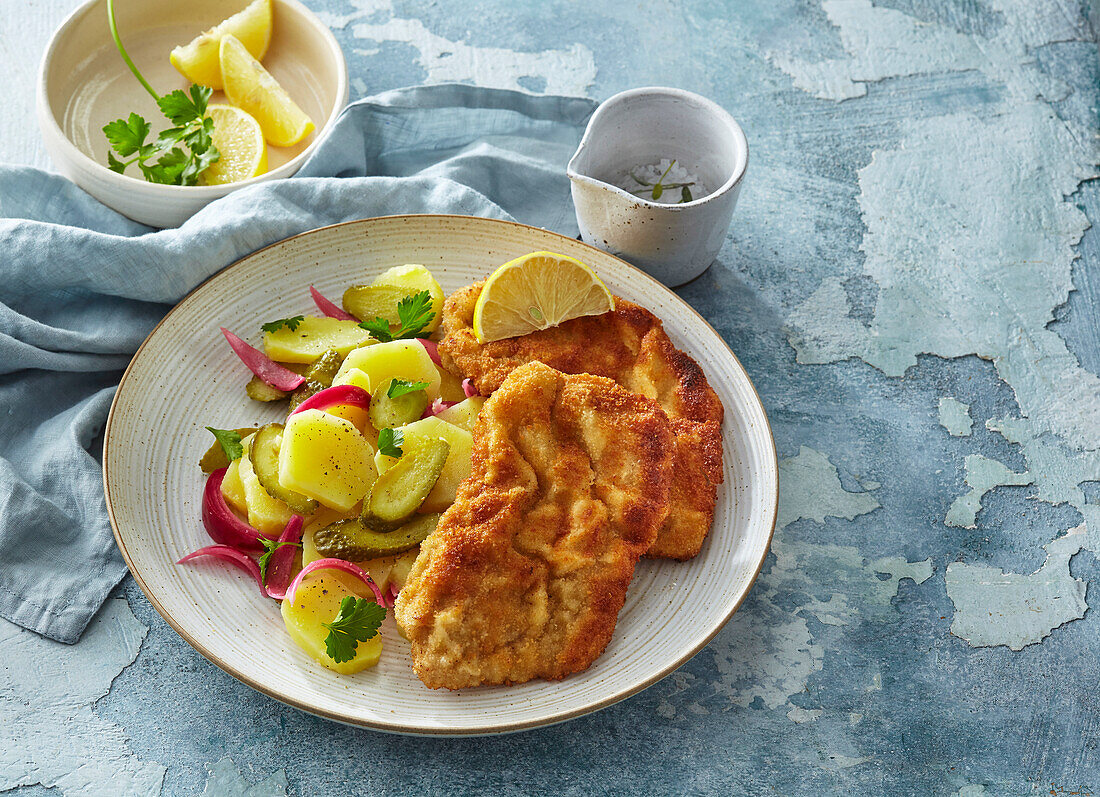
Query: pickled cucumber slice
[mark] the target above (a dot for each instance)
(389, 413)
(324, 370)
(215, 458)
(304, 391)
(400, 491)
(263, 453)
(380, 298)
(374, 301)
(258, 390)
(352, 540)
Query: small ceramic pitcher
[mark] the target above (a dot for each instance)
(641, 127)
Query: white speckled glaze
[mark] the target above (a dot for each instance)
(674, 243)
(184, 377)
(83, 84)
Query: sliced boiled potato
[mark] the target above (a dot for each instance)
(318, 602)
(402, 565)
(464, 414)
(397, 359)
(457, 466)
(312, 338)
(266, 514)
(233, 489)
(357, 415)
(450, 386)
(326, 458)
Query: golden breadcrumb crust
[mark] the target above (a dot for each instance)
(630, 346)
(526, 572)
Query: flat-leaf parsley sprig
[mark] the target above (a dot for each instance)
(413, 313)
(179, 154)
(357, 621)
(289, 323)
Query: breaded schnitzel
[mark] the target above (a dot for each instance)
(526, 572)
(630, 346)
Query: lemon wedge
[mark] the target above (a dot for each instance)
(538, 291)
(200, 60)
(241, 148)
(251, 87)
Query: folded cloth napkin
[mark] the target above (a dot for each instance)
(81, 287)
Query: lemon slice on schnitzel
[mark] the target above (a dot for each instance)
(537, 291)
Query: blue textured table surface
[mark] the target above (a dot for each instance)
(910, 280)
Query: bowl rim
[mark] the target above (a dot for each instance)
(709, 105)
(191, 192)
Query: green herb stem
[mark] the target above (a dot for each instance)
(122, 50)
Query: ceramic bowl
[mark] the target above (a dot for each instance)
(674, 243)
(83, 84)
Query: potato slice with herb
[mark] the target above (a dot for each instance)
(396, 359)
(316, 606)
(310, 338)
(381, 297)
(324, 457)
(455, 469)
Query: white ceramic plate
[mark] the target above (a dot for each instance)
(184, 377)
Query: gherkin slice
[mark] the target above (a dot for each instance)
(400, 491)
(215, 458)
(258, 390)
(352, 540)
(263, 453)
(389, 413)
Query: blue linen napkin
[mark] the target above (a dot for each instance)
(81, 287)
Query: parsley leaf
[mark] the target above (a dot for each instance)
(292, 323)
(399, 387)
(230, 440)
(379, 328)
(181, 109)
(270, 547)
(126, 136)
(390, 442)
(413, 313)
(178, 155)
(357, 621)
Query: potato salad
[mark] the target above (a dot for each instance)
(326, 509)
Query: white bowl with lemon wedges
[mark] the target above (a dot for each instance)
(136, 96)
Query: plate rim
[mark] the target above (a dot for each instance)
(405, 729)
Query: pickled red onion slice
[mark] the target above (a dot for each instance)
(221, 523)
(329, 308)
(263, 366)
(233, 557)
(331, 396)
(334, 564)
(281, 562)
